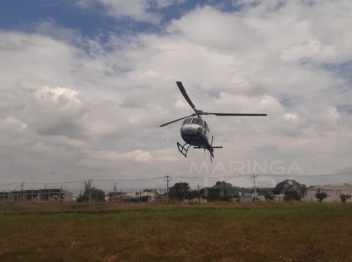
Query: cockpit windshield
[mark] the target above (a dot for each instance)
(197, 121)
(187, 121)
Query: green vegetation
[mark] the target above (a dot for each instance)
(91, 192)
(96, 195)
(227, 232)
(179, 191)
(320, 196)
(344, 197)
(292, 190)
(269, 196)
(221, 191)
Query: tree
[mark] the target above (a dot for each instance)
(82, 198)
(192, 194)
(292, 197)
(221, 191)
(291, 189)
(95, 193)
(269, 196)
(304, 189)
(344, 197)
(110, 194)
(179, 191)
(150, 190)
(320, 196)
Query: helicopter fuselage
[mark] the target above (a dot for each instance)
(195, 131)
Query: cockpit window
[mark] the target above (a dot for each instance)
(197, 121)
(187, 121)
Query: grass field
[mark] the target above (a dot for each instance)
(285, 232)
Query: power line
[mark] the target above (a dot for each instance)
(136, 179)
(249, 175)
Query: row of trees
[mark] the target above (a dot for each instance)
(222, 191)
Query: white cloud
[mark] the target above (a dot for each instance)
(98, 108)
(55, 94)
(291, 117)
(331, 114)
(134, 156)
(11, 124)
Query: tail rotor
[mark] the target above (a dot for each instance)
(211, 149)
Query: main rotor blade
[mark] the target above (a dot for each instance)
(175, 121)
(233, 114)
(183, 91)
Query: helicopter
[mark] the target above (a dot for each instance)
(195, 131)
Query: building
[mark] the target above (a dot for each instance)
(333, 192)
(37, 195)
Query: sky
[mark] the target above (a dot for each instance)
(87, 83)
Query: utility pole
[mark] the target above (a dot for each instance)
(21, 191)
(198, 193)
(167, 189)
(90, 190)
(140, 195)
(255, 194)
(60, 196)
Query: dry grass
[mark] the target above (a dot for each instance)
(102, 232)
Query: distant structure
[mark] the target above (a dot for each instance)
(37, 195)
(142, 197)
(333, 191)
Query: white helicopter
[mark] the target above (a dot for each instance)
(195, 131)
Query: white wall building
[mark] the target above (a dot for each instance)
(333, 191)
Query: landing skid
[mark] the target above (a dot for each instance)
(183, 148)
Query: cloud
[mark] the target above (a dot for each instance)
(80, 103)
(134, 156)
(137, 10)
(56, 94)
(291, 117)
(11, 124)
(331, 114)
